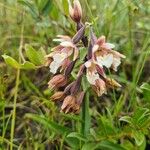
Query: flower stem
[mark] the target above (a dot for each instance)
(85, 115)
(16, 87)
(14, 110)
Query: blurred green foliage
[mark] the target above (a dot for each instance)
(119, 120)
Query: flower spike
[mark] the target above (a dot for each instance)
(100, 55)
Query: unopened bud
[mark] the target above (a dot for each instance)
(76, 11)
(75, 88)
(79, 35)
(69, 68)
(57, 81)
(68, 88)
(93, 37)
(68, 104)
(58, 96)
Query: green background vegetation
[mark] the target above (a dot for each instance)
(29, 120)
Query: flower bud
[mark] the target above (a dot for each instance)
(68, 104)
(79, 35)
(75, 88)
(93, 37)
(68, 88)
(57, 81)
(69, 68)
(58, 96)
(76, 11)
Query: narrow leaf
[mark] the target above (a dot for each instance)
(48, 123)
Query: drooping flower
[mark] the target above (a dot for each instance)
(57, 81)
(93, 76)
(71, 103)
(104, 55)
(58, 96)
(60, 55)
(98, 79)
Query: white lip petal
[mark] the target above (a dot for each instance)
(92, 77)
(57, 61)
(106, 60)
(54, 67)
(59, 57)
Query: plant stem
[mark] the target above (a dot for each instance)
(16, 88)
(14, 109)
(85, 115)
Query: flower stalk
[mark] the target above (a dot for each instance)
(63, 58)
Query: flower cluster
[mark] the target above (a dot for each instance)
(63, 58)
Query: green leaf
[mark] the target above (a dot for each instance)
(128, 145)
(33, 10)
(28, 65)
(126, 119)
(33, 55)
(138, 136)
(77, 135)
(140, 113)
(48, 123)
(106, 127)
(143, 145)
(65, 7)
(107, 145)
(10, 61)
(89, 146)
(2, 104)
(47, 7)
(145, 86)
(119, 105)
(85, 84)
(104, 145)
(74, 143)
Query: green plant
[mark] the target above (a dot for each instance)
(28, 117)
